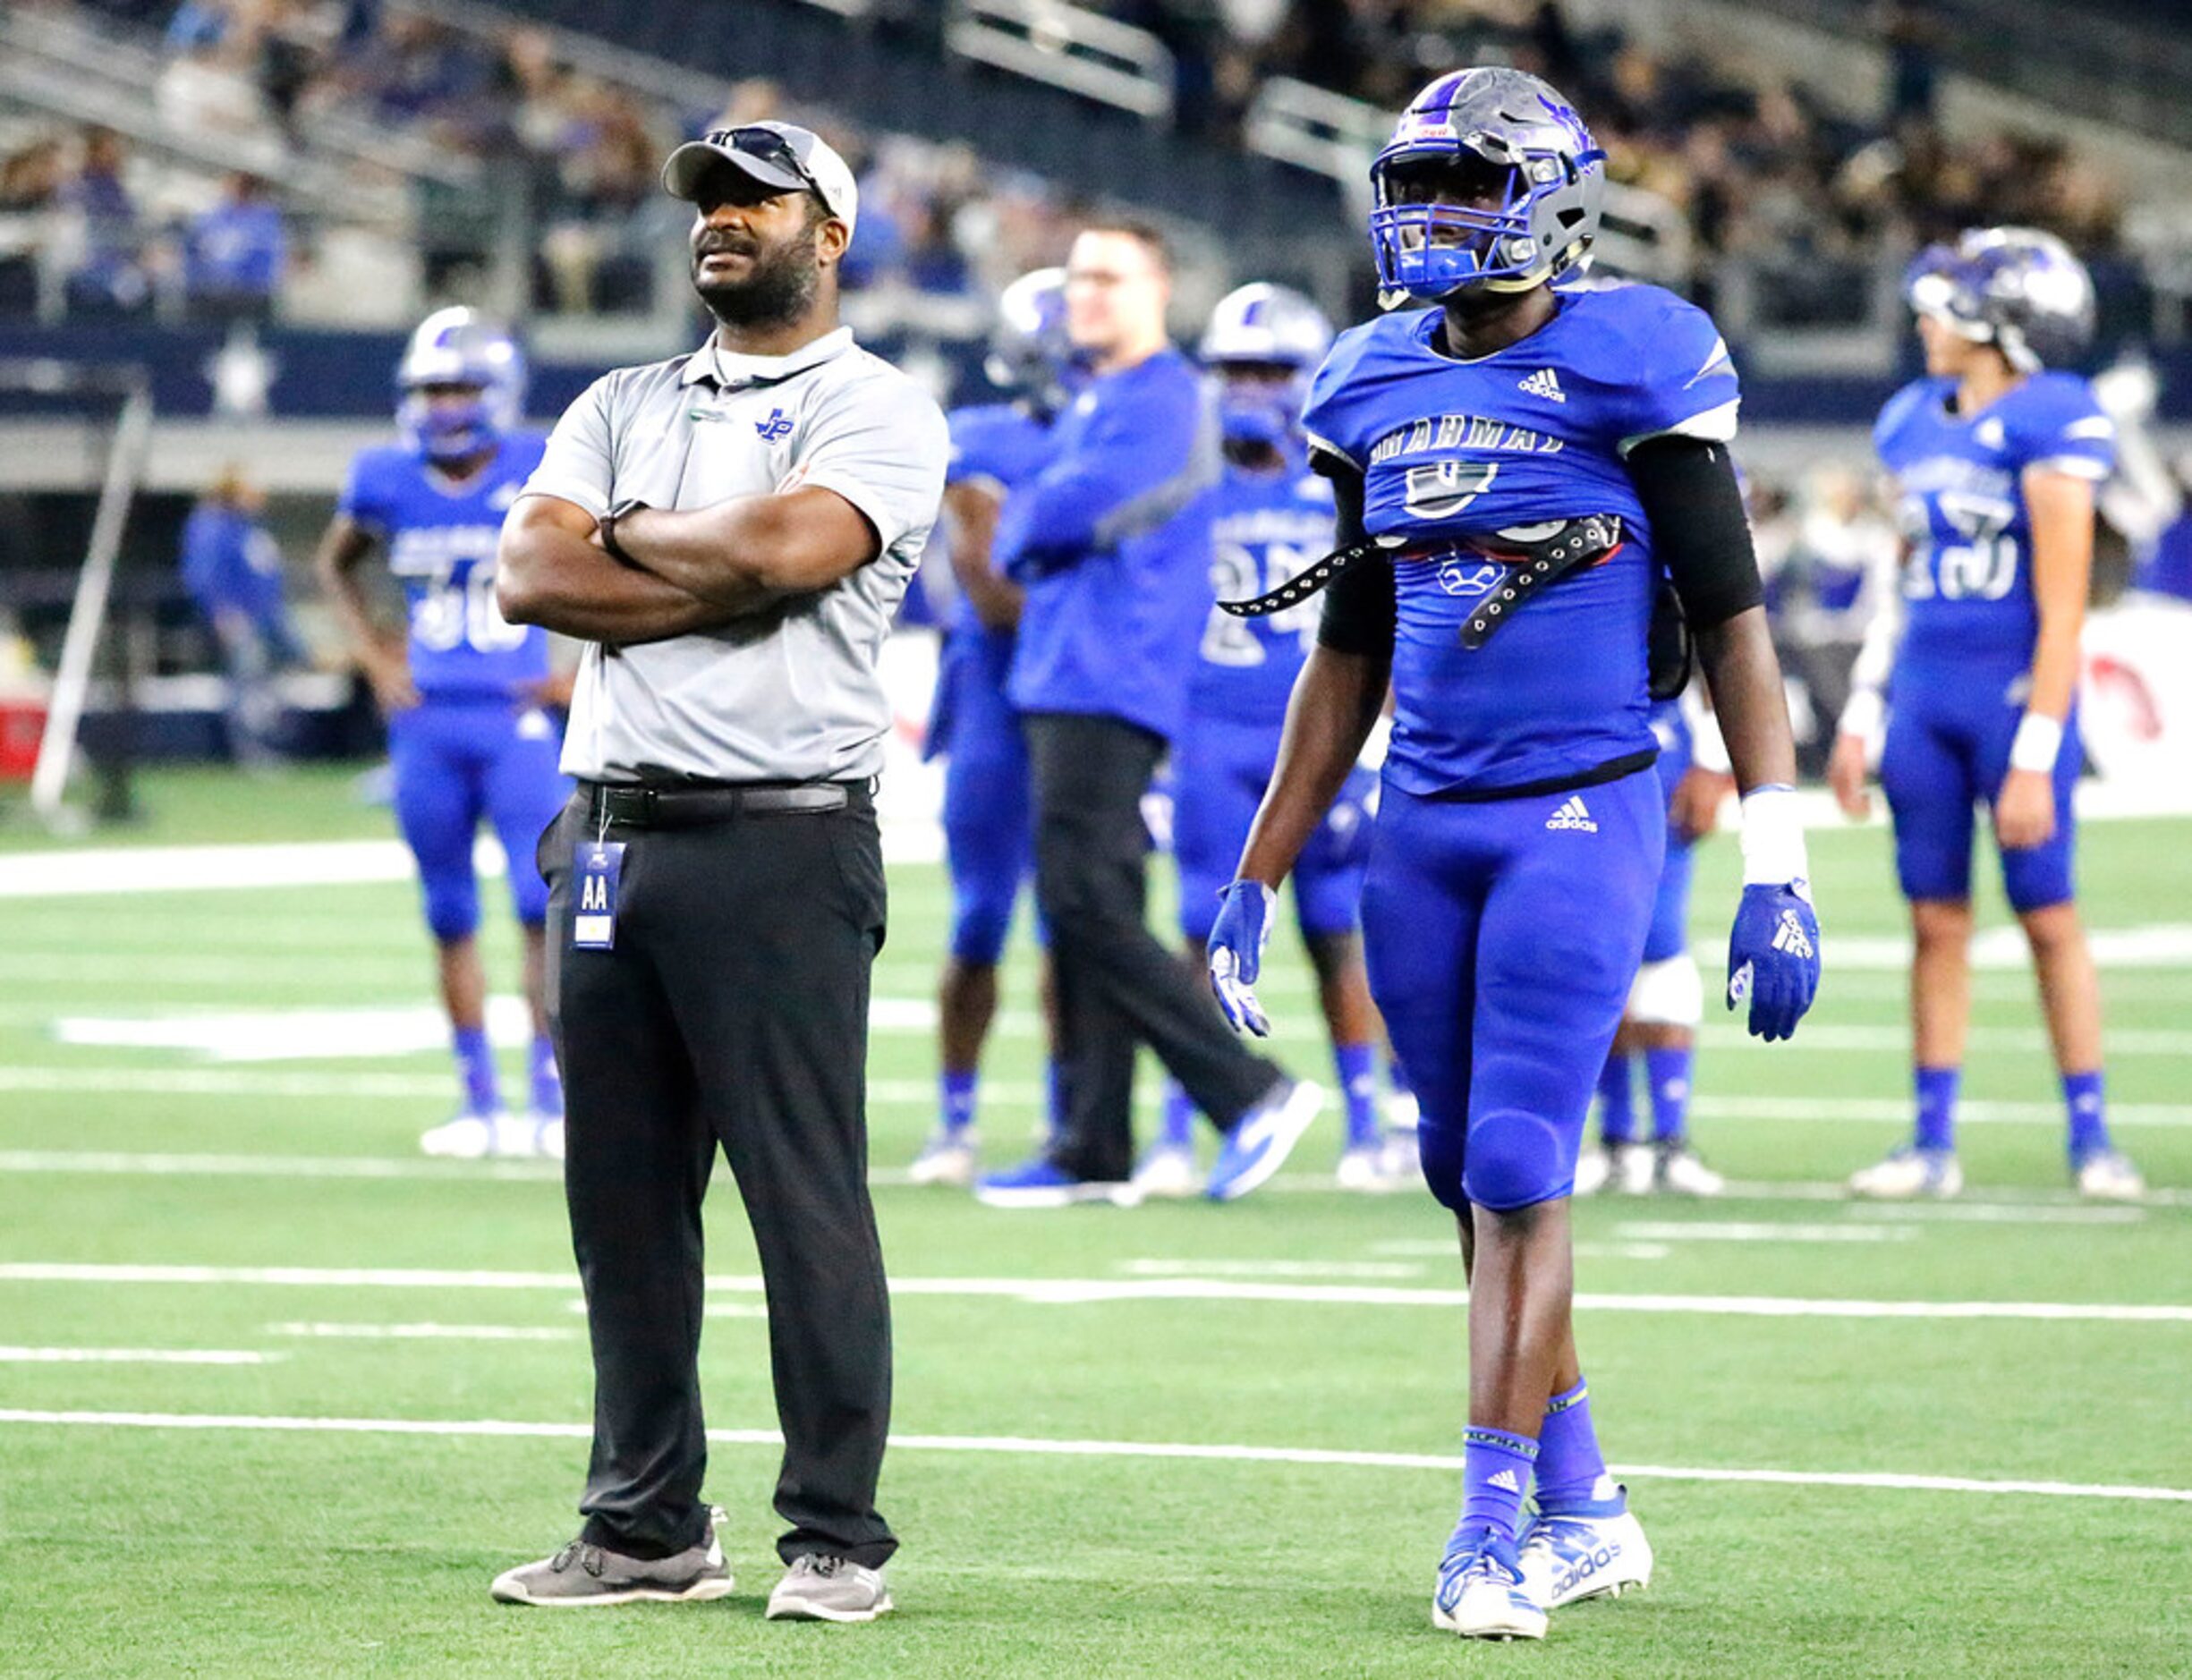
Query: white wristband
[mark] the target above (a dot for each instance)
(1773, 851)
(1864, 713)
(2037, 744)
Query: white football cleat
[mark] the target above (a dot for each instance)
(947, 1158)
(1630, 1168)
(470, 1137)
(1479, 1595)
(1167, 1171)
(1593, 1167)
(1375, 1168)
(1677, 1172)
(1908, 1173)
(2105, 1176)
(1566, 1559)
(548, 1136)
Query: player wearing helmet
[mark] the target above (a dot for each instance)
(465, 695)
(989, 838)
(1270, 517)
(1516, 467)
(1975, 669)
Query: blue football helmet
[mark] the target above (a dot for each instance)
(1552, 175)
(1029, 354)
(2016, 288)
(1263, 326)
(459, 347)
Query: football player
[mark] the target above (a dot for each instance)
(1668, 998)
(1527, 464)
(989, 838)
(466, 695)
(1271, 517)
(1975, 668)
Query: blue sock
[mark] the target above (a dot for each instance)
(1176, 1130)
(1569, 1464)
(1668, 1073)
(955, 1097)
(1357, 1067)
(2081, 1092)
(1936, 1089)
(1495, 1475)
(1616, 1098)
(475, 1070)
(547, 1084)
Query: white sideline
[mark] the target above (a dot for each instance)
(133, 1356)
(429, 1332)
(1035, 1446)
(1082, 1291)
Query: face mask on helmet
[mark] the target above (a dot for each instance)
(1261, 402)
(1490, 181)
(479, 373)
(2019, 289)
(444, 425)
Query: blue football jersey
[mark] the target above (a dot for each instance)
(440, 540)
(1265, 528)
(1002, 445)
(1967, 579)
(1540, 430)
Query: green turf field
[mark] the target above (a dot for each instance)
(262, 1209)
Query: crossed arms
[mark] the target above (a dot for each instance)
(690, 571)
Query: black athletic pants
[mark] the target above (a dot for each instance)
(1117, 984)
(733, 1013)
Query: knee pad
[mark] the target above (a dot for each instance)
(1669, 993)
(453, 905)
(1517, 1159)
(1441, 1152)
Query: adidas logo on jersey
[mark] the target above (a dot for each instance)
(1507, 1480)
(1544, 383)
(1573, 814)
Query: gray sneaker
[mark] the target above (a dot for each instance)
(825, 1589)
(584, 1576)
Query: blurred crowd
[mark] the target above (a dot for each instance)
(1776, 171)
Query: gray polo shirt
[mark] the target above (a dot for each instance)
(791, 694)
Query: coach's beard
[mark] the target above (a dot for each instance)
(778, 290)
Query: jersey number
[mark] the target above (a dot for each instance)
(451, 613)
(1981, 566)
(1234, 574)
(1444, 487)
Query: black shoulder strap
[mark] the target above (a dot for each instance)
(1304, 584)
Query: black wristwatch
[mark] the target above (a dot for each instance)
(630, 504)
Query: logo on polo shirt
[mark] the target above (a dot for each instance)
(775, 428)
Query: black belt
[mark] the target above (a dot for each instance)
(691, 804)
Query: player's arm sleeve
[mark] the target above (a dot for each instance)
(579, 464)
(1360, 604)
(1866, 708)
(1688, 489)
(2071, 433)
(1686, 386)
(1147, 451)
(883, 447)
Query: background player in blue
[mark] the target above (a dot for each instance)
(1976, 667)
(1530, 463)
(1666, 1001)
(988, 837)
(464, 695)
(1271, 517)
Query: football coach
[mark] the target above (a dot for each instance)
(730, 532)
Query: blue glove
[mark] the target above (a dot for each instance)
(1774, 958)
(1237, 938)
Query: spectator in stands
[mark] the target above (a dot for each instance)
(232, 570)
(233, 253)
(31, 181)
(108, 273)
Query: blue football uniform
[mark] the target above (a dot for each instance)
(1264, 529)
(1668, 935)
(1521, 831)
(477, 746)
(988, 837)
(1970, 621)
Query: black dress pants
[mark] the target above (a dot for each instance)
(1117, 984)
(732, 1014)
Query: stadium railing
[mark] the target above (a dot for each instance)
(1068, 46)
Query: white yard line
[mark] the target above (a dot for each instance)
(1037, 1447)
(431, 1332)
(133, 1356)
(1759, 1231)
(1394, 1269)
(1082, 1291)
